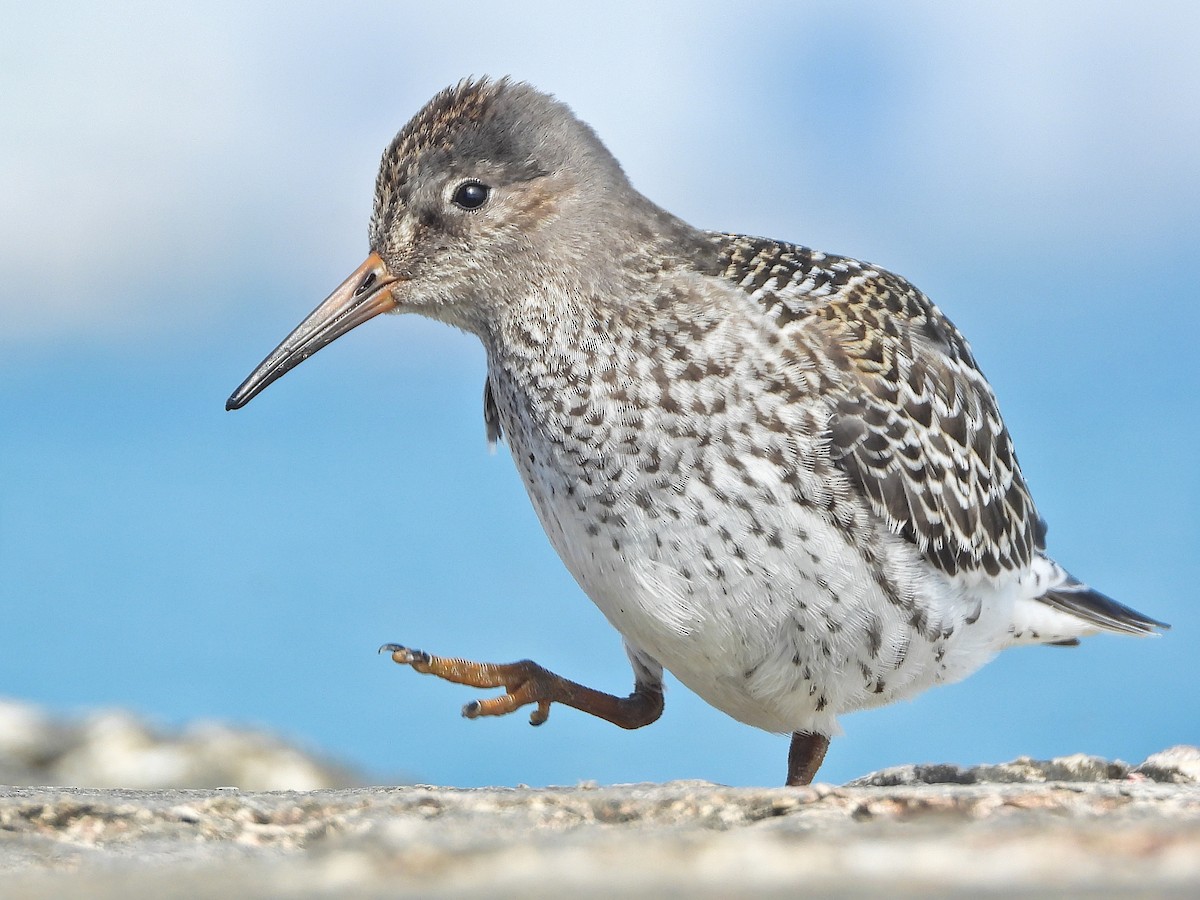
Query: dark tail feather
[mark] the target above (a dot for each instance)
(1079, 600)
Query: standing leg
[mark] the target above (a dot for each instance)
(805, 757)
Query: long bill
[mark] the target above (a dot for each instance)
(362, 296)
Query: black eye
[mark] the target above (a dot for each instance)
(471, 195)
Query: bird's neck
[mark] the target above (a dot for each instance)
(576, 323)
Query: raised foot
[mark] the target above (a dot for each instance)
(526, 682)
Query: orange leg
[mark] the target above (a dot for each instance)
(805, 757)
(526, 682)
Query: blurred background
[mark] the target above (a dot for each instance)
(181, 183)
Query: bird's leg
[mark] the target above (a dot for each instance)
(526, 682)
(805, 757)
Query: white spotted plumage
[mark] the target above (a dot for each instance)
(693, 462)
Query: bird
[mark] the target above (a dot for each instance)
(779, 473)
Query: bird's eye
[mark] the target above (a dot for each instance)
(471, 195)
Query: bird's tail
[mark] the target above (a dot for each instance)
(1054, 607)
(1077, 599)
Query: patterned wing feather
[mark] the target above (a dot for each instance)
(913, 421)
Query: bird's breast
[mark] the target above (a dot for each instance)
(687, 484)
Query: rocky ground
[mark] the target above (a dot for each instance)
(114, 748)
(1076, 825)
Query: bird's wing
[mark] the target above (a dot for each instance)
(913, 422)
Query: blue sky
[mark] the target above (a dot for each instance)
(180, 184)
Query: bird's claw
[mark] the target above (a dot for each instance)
(522, 682)
(406, 656)
(477, 708)
(541, 714)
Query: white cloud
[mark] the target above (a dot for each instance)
(163, 148)
(1057, 95)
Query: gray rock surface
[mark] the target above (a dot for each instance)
(1177, 765)
(114, 748)
(1039, 828)
(1077, 824)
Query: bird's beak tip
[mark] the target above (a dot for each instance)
(362, 296)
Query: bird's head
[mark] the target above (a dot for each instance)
(491, 187)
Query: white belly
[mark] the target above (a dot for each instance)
(768, 614)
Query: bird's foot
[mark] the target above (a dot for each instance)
(526, 682)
